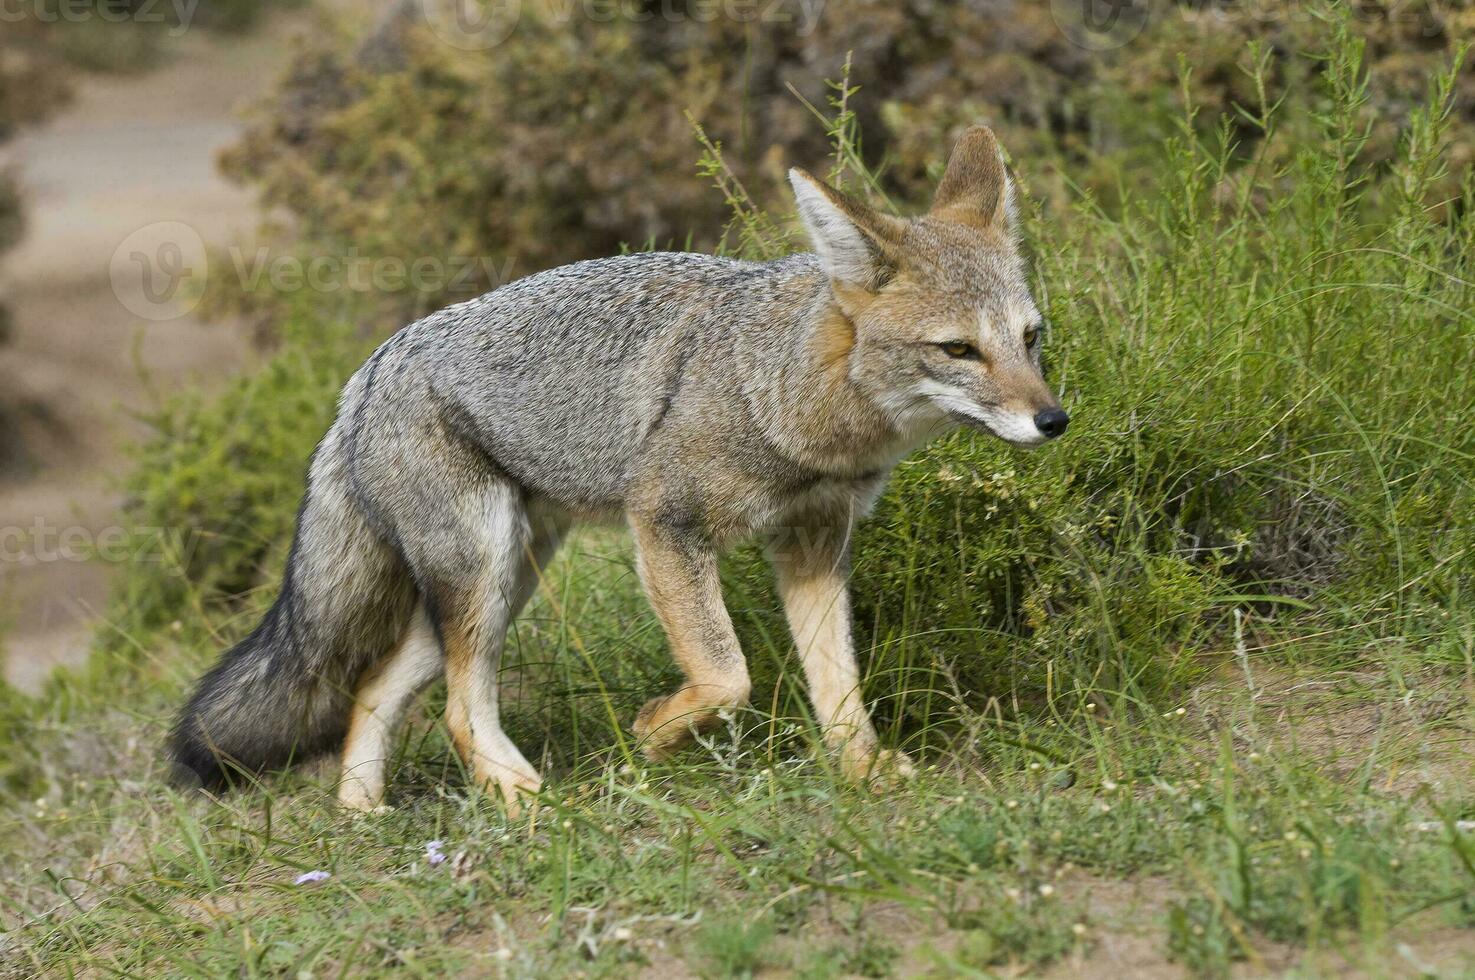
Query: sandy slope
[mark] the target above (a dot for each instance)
(127, 153)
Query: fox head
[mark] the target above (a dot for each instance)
(941, 326)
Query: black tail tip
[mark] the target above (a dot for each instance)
(193, 765)
(185, 778)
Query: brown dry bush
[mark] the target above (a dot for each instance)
(573, 138)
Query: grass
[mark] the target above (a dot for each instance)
(1191, 691)
(1301, 819)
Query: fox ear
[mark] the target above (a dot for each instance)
(857, 245)
(976, 189)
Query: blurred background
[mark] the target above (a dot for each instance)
(179, 176)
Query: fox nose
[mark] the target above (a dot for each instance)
(1052, 422)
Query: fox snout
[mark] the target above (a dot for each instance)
(1021, 409)
(1052, 422)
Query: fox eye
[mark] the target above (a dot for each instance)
(959, 349)
(1031, 334)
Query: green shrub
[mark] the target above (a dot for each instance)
(1266, 392)
(214, 498)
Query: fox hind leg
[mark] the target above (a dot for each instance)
(380, 702)
(474, 599)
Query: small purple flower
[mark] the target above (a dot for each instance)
(308, 877)
(433, 854)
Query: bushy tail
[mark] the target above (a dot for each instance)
(283, 693)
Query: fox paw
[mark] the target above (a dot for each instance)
(369, 811)
(658, 740)
(877, 768)
(360, 799)
(515, 794)
(645, 716)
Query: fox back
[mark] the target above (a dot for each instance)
(570, 377)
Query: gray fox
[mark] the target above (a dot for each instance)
(701, 400)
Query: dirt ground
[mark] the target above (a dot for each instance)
(127, 153)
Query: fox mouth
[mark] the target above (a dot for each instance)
(1020, 433)
(1011, 427)
(955, 405)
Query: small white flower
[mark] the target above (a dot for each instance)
(1047, 890)
(622, 934)
(1431, 826)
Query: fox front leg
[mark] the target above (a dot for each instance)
(679, 572)
(811, 561)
